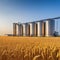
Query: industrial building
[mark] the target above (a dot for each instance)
(44, 27)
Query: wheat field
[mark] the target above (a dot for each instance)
(29, 48)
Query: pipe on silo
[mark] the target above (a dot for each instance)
(50, 27)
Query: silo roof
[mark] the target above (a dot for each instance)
(41, 20)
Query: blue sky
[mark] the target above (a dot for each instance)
(25, 11)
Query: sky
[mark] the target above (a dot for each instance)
(26, 11)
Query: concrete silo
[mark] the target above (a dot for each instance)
(50, 27)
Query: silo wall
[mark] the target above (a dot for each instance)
(35, 29)
(20, 29)
(32, 27)
(39, 28)
(28, 30)
(25, 29)
(43, 28)
(50, 27)
(14, 29)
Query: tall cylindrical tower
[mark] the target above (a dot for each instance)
(32, 25)
(27, 29)
(39, 28)
(43, 28)
(35, 29)
(24, 29)
(50, 27)
(14, 29)
(19, 29)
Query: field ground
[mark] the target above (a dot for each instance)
(29, 48)
(42, 41)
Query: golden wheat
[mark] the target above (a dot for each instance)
(29, 48)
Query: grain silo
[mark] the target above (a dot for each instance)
(39, 28)
(50, 27)
(43, 28)
(35, 29)
(19, 29)
(28, 29)
(32, 26)
(14, 29)
(24, 29)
